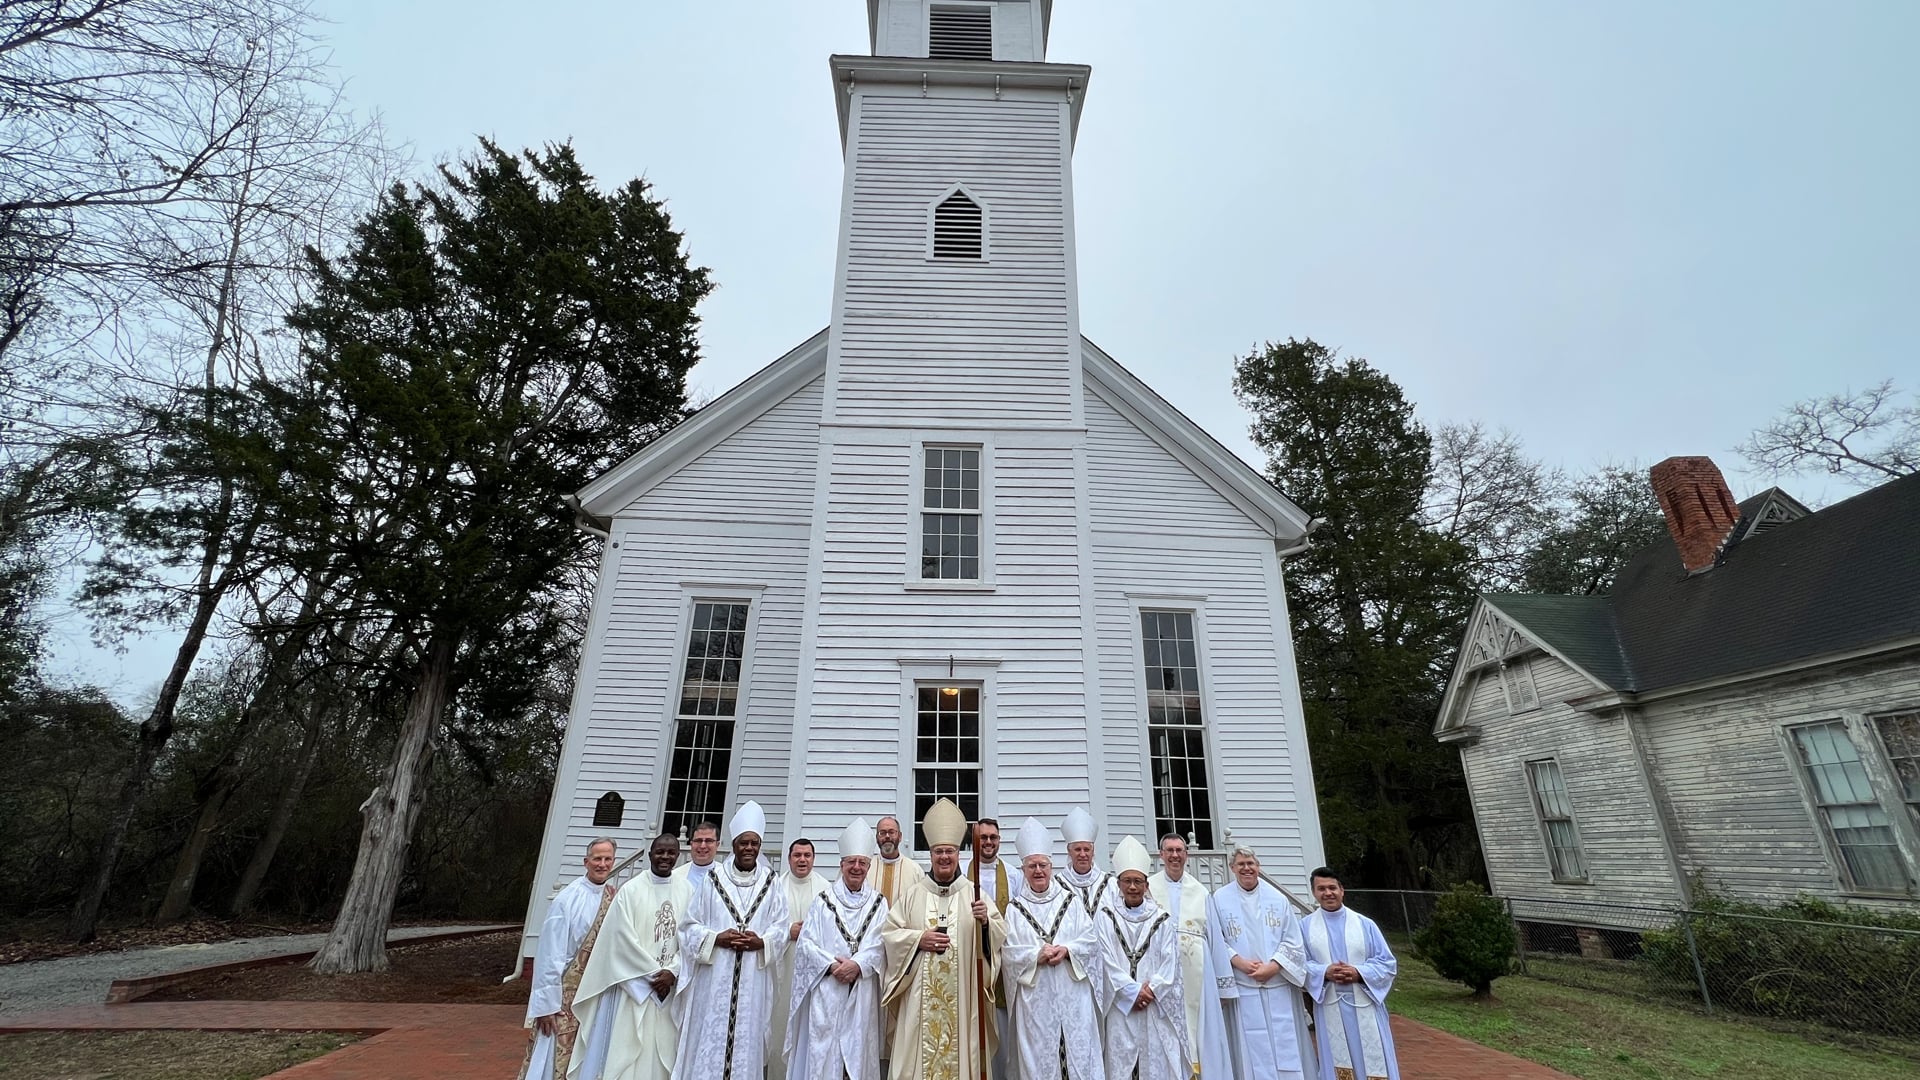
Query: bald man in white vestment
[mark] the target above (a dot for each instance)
(733, 936)
(633, 976)
(833, 1028)
(1053, 971)
(559, 960)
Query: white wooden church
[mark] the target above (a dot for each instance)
(946, 546)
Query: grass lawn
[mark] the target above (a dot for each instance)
(1598, 1036)
(159, 1055)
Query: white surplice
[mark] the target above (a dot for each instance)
(1260, 925)
(1352, 1031)
(1049, 1006)
(1141, 947)
(801, 893)
(570, 916)
(729, 993)
(833, 1028)
(1191, 906)
(639, 938)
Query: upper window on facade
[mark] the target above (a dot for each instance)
(1900, 734)
(1555, 811)
(959, 228)
(1516, 676)
(950, 517)
(1176, 727)
(960, 32)
(946, 758)
(1845, 802)
(703, 729)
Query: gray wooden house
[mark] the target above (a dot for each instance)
(1743, 710)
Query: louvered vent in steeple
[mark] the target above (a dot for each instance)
(958, 228)
(960, 33)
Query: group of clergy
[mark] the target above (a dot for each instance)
(728, 970)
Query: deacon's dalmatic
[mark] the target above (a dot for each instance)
(573, 921)
(633, 982)
(1144, 1005)
(733, 935)
(1052, 969)
(942, 944)
(833, 1029)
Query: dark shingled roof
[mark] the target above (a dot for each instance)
(1843, 579)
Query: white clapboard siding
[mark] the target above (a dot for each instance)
(948, 341)
(1136, 486)
(1744, 823)
(1613, 809)
(763, 473)
(1016, 32)
(900, 28)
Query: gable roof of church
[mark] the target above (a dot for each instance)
(1220, 468)
(1840, 581)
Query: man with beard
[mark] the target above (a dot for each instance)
(942, 941)
(1053, 970)
(896, 871)
(833, 1030)
(733, 936)
(634, 975)
(803, 887)
(1145, 1014)
(995, 881)
(566, 940)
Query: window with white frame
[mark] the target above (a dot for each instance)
(946, 758)
(1176, 727)
(1900, 736)
(1845, 803)
(1516, 676)
(1555, 811)
(704, 723)
(950, 514)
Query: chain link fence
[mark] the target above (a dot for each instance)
(1793, 973)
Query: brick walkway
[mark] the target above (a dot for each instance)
(434, 1042)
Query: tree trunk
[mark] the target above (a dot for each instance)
(155, 730)
(256, 873)
(187, 869)
(358, 940)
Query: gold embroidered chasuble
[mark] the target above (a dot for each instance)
(943, 1028)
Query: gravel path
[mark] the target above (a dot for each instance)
(83, 980)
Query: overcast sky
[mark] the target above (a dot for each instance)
(1623, 231)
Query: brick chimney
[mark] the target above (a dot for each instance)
(1700, 509)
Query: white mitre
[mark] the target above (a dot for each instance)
(857, 840)
(1033, 839)
(748, 819)
(1131, 854)
(944, 824)
(1079, 827)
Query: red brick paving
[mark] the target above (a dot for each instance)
(436, 1042)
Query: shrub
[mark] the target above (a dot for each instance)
(1470, 939)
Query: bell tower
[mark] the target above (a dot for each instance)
(1007, 30)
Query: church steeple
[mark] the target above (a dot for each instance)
(999, 30)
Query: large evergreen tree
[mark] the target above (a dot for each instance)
(489, 344)
(1378, 604)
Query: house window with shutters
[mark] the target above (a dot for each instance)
(1900, 735)
(1555, 811)
(1176, 727)
(946, 758)
(704, 723)
(960, 32)
(950, 513)
(957, 228)
(1856, 824)
(1516, 677)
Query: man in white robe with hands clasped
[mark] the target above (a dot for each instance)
(833, 1028)
(1258, 936)
(1144, 1006)
(1053, 971)
(633, 976)
(733, 937)
(1350, 969)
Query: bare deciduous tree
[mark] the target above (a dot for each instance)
(1866, 438)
